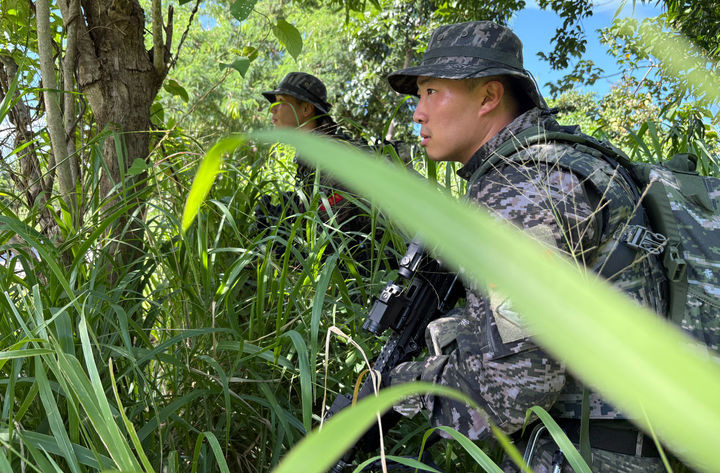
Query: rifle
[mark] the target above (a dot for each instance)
(428, 292)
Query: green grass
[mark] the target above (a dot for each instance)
(205, 350)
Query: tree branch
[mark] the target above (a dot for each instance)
(71, 24)
(157, 32)
(86, 60)
(52, 102)
(169, 34)
(184, 35)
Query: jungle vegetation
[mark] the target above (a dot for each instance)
(133, 340)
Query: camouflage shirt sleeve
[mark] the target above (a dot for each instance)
(493, 359)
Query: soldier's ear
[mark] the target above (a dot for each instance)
(308, 109)
(491, 94)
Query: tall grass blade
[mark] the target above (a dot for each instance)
(55, 420)
(26, 353)
(571, 454)
(115, 440)
(128, 425)
(100, 416)
(226, 392)
(5, 466)
(410, 462)
(84, 455)
(317, 306)
(33, 238)
(205, 176)
(166, 412)
(475, 452)
(215, 446)
(279, 412)
(306, 373)
(619, 349)
(321, 449)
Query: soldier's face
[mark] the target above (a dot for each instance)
(285, 112)
(452, 127)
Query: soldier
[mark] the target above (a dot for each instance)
(300, 101)
(474, 97)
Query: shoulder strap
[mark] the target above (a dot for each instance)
(537, 135)
(534, 135)
(636, 236)
(692, 188)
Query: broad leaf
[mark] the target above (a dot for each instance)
(289, 37)
(157, 113)
(241, 65)
(138, 166)
(250, 52)
(241, 9)
(172, 87)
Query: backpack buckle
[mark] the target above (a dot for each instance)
(641, 238)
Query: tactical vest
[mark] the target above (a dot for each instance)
(624, 247)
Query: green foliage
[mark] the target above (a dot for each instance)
(667, 111)
(208, 170)
(241, 9)
(697, 21)
(241, 65)
(224, 103)
(622, 351)
(179, 350)
(205, 352)
(327, 445)
(289, 37)
(611, 116)
(351, 49)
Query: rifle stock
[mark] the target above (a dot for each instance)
(427, 292)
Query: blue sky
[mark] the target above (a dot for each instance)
(536, 27)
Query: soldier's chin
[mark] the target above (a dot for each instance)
(434, 156)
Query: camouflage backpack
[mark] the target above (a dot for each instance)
(683, 209)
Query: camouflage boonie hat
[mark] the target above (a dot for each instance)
(468, 50)
(302, 86)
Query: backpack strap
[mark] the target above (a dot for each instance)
(636, 235)
(692, 186)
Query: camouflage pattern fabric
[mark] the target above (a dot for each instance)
(345, 211)
(680, 205)
(503, 370)
(304, 87)
(469, 50)
(695, 205)
(603, 461)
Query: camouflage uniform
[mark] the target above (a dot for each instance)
(345, 214)
(562, 196)
(308, 88)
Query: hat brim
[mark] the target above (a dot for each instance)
(271, 95)
(405, 80)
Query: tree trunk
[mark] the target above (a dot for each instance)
(29, 180)
(117, 75)
(68, 74)
(52, 99)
